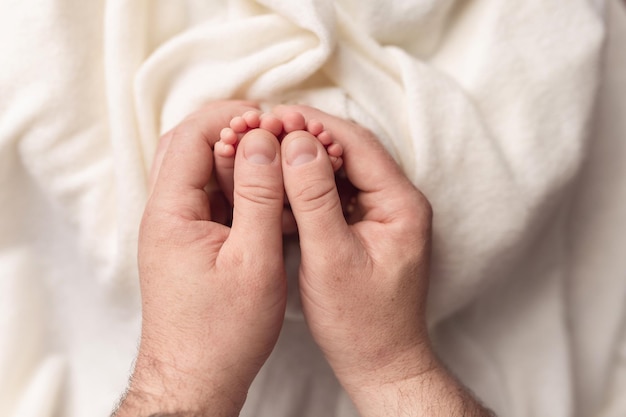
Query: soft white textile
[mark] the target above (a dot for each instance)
(488, 106)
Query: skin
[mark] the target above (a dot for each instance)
(364, 285)
(224, 150)
(214, 297)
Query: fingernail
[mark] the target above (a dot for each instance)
(300, 151)
(260, 151)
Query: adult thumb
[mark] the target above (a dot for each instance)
(312, 192)
(258, 195)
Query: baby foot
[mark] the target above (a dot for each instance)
(240, 125)
(225, 149)
(294, 120)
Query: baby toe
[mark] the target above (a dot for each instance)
(224, 150)
(238, 124)
(293, 121)
(335, 149)
(325, 138)
(252, 119)
(315, 127)
(228, 136)
(272, 124)
(336, 162)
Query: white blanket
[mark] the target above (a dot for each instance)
(487, 105)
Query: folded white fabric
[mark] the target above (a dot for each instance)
(486, 105)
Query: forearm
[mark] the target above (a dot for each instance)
(158, 389)
(433, 393)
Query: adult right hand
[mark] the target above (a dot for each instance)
(213, 297)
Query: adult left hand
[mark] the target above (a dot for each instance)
(364, 282)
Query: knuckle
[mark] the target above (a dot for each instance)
(413, 225)
(258, 194)
(425, 210)
(422, 210)
(316, 196)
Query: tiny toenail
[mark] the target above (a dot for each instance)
(300, 151)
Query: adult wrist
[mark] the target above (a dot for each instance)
(406, 365)
(161, 388)
(433, 391)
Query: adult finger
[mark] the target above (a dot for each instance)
(164, 143)
(205, 123)
(258, 195)
(368, 166)
(215, 115)
(186, 167)
(312, 191)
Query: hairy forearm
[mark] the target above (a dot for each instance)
(137, 404)
(160, 390)
(433, 393)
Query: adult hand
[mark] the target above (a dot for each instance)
(364, 284)
(213, 297)
(211, 118)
